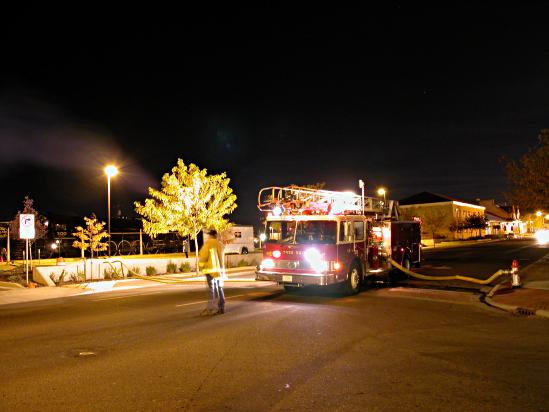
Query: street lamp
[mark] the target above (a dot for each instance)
(110, 171)
(381, 192)
(361, 185)
(56, 246)
(262, 238)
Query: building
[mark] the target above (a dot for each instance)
(442, 217)
(502, 220)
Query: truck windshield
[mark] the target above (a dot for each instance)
(302, 232)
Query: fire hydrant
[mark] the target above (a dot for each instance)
(515, 278)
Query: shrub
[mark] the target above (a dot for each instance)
(17, 278)
(112, 273)
(185, 267)
(171, 267)
(136, 270)
(61, 279)
(150, 270)
(77, 277)
(107, 274)
(117, 273)
(242, 262)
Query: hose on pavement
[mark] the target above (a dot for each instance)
(453, 277)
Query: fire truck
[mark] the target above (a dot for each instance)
(323, 238)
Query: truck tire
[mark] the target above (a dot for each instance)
(291, 289)
(406, 265)
(244, 250)
(354, 278)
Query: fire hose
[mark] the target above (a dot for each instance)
(159, 279)
(398, 266)
(453, 277)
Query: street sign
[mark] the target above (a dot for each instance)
(26, 226)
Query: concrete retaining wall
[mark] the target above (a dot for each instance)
(95, 269)
(250, 259)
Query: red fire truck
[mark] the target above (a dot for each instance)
(321, 237)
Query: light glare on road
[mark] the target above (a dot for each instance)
(542, 236)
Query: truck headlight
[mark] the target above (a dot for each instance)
(267, 264)
(314, 258)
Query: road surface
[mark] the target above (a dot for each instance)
(384, 349)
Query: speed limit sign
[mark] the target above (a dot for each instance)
(26, 226)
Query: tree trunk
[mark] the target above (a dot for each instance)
(196, 250)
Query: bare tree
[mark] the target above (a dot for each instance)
(529, 178)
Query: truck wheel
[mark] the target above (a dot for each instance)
(291, 289)
(352, 284)
(406, 265)
(244, 251)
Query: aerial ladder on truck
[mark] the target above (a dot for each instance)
(295, 200)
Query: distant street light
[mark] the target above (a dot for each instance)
(56, 246)
(262, 238)
(110, 171)
(381, 192)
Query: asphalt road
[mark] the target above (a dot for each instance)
(384, 349)
(483, 259)
(478, 261)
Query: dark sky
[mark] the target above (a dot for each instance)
(406, 96)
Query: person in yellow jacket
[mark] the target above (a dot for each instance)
(210, 261)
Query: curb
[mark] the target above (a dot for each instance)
(515, 310)
(10, 285)
(458, 243)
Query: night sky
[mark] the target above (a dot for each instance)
(412, 98)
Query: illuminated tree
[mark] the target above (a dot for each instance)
(188, 202)
(91, 237)
(529, 178)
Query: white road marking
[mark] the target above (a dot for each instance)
(206, 301)
(127, 296)
(517, 249)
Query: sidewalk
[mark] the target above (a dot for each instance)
(530, 299)
(12, 293)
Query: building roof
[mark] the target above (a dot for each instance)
(429, 197)
(495, 210)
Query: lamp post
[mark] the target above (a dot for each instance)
(381, 192)
(540, 214)
(110, 171)
(361, 185)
